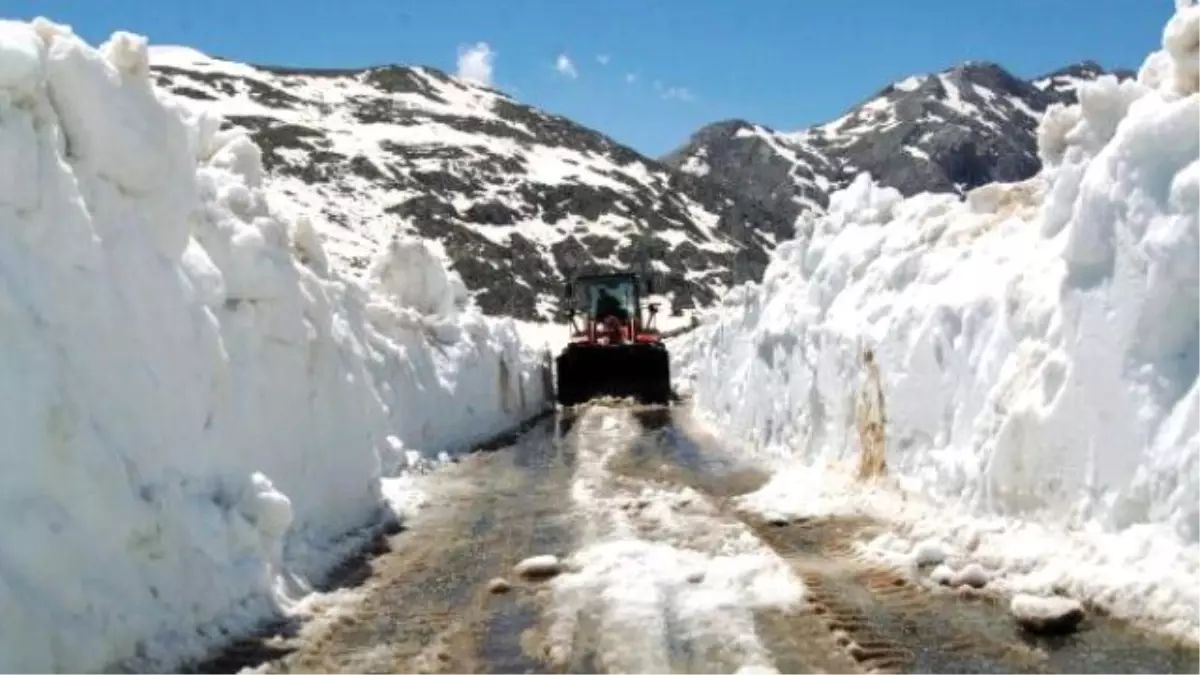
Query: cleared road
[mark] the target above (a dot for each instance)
(667, 577)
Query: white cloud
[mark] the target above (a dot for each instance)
(475, 63)
(565, 66)
(679, 93)
(602, 59)
(630, 78)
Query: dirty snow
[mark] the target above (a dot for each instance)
(1024, 361)
(199, 408)
(657, 564)
(538, 566)
(1044, 614)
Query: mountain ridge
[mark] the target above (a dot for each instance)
(520, 197)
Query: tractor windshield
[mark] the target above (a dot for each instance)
(610, 297)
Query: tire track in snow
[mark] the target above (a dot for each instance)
(907, 624)
(882, 620)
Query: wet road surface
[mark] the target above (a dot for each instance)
(598, 475)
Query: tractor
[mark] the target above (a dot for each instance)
(614, 352)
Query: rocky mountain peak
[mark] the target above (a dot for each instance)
(949, 131)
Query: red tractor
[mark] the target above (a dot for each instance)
(614, 353)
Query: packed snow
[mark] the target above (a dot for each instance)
(1024, 361)
(657, 564)
(199, 408)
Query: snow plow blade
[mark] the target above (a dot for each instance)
(588, 371)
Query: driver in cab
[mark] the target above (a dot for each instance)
(609, 305)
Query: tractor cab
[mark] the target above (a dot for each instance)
(611, 308)
(613, 351)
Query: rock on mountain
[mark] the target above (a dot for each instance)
(517, 197)
(946, 132)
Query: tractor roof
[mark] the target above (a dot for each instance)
(609, 275)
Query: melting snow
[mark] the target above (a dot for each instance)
(1035, 348)
(1042, 614)
(659, 565)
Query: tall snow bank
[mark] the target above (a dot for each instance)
(1034, 348)
(446, 354)
(194, 404)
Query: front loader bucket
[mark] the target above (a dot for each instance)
(638, 371)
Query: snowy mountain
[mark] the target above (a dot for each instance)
(946, 132)
(515, 195)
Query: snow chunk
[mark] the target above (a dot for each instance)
(414, 274)
(127, 52)
(1056, 123)
(973, 575)
(22, 58)
(240, 156)
(499, 586)
(929, 552)
(538, 567)
(1046, 614)
(268, 509)
(942, 574)
(308, 246)
(1181, 40)
(864, 201)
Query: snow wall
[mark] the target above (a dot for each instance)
(1028, 353)
(197, 409)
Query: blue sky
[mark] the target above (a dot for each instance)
(783, 63)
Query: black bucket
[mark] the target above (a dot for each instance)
(638, 371)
